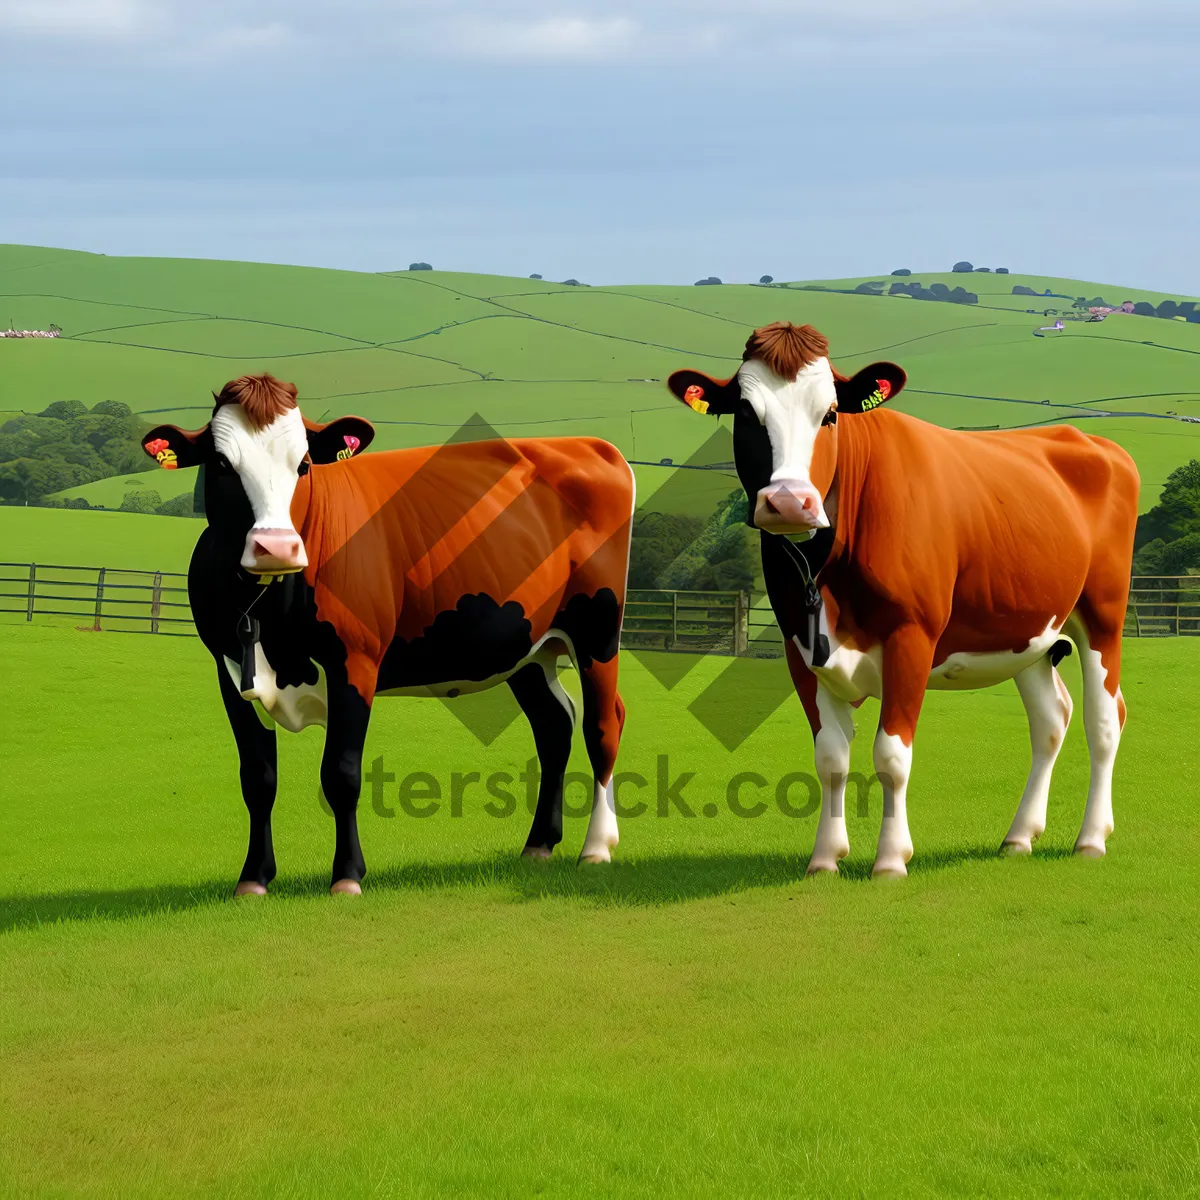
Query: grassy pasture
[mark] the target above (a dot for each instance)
(697, 1018)
(422, 353)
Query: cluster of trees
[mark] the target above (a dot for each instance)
(964, 267)
(670, 550)
(1168, 536)
(65, 445)
(935, 291)
(422, 266)
(1169, 310)
(705, 282)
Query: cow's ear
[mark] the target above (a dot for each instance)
(341, 438)
(714, 397)
(871, 387)
(172, 447)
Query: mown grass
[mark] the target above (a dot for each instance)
(696, 1018)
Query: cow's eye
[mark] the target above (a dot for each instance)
(302, 469)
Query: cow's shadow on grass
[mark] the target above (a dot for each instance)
(650, 881)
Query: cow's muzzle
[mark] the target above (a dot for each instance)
(274, 552)
(789, 506)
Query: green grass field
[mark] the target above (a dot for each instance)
(421, 353)
(696, 1019)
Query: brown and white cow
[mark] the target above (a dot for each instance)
(942, 559)
(325, 579)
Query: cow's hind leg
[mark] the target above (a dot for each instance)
(257, 769)
(603, 720)
(341, 781)
(1103, 720)
(551, 715)
(1048, 707)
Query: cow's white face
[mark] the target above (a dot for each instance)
(267, 462)
(792, 413)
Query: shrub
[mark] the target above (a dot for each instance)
(874, 288)
(1001, 270)
(535, 277)
(177, 506)
(1142, 309)
(76, 502)
(112, 408)
(1019, 289)
(64, 410)
(419, 267)
(902, 271)
(986, 270)
(572, 283)
(145, 500)
(705, 282)
(962, 268)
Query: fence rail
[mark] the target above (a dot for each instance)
(736, 623)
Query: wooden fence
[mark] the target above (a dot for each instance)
(736, 623)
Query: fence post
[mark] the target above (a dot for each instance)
(32, 583)
(99, 597)
(156, 602)
(674, 619)
(740, 619)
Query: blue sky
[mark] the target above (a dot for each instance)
(642, 142)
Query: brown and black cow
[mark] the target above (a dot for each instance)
(325, 579)
(931, 558)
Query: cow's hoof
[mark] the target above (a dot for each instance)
(594, 855)
(250, 887)
(1092, 848)
(346, 887)
(889, 868)
(1016, 848)
(822, 866)
(538, 853)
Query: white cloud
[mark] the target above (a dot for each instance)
(77, 18)
(815, 32)
(559, 37)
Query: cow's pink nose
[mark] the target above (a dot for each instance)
(274, 552)
(789, 506)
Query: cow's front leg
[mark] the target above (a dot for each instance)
(256, 755)
(832, 724)
(341, 780)
(907, 659)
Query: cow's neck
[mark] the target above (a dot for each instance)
(839, 469)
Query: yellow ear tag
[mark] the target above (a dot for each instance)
(167, 459)
(694, 398)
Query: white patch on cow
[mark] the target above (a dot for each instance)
(792, 412)
(832, 760)
(1048, 708)
(602, 833)
(294, 707)
(1102, 723)
(266, 460)
(853, 675)
(962, 672)
(893, 765)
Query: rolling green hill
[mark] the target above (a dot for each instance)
(422, 353)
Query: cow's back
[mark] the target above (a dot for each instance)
(981, 531)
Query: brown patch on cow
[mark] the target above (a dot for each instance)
(262, 397)
(786, 348)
